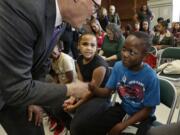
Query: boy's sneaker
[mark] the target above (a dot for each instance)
(60, 130)
(53, 125)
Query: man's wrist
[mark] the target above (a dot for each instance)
(69, 90)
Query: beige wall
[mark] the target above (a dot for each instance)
(161, 8)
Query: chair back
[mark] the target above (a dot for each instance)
(153, 50)
(168, 96)
(170, 52)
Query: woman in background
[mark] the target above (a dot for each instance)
(112, 45)
(146, 28)
(98, 31)
(144, 14)
(164, 37)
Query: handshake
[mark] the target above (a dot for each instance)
(79, 92)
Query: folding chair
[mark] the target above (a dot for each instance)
(170, 52)
(153, 50)
(168, 97)
(178, 116)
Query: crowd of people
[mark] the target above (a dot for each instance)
(66, 58)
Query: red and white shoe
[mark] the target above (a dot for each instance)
(52, 125)
(60, 131)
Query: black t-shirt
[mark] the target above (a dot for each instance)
(87, 69)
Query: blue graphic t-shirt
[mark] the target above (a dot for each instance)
(136, 89)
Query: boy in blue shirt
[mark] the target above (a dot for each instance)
(138, 87)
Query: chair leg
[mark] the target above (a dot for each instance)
(178, 116)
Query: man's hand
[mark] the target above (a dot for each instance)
(117, 129)
(37, 112)
(77, 89)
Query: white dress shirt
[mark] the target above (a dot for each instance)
(58, 15)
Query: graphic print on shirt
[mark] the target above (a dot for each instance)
(132, 91)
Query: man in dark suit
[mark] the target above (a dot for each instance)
(26, 29)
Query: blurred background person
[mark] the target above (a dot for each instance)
(128, 30)
(136, 26)
(176, 33)
(112, 45)
(113, 17)
(103, 18)
(164, 37)
(98, 31)
(146, 28)
(144, 14)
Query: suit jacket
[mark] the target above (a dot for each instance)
(26, 27)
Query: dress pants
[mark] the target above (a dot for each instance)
(15, 122)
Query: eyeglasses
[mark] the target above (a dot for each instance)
(130, 52)
(96, 6)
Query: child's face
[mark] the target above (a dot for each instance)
(137, 26)
(95, 27)
(88, 46)
(177, 26)
(132, 53)
(145, 25)
(55, 53)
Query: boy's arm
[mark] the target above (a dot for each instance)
(137, 117)
(101, 92)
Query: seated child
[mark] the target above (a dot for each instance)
(93, 69)
(63, 66)
(137, 86)
(63, 71)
